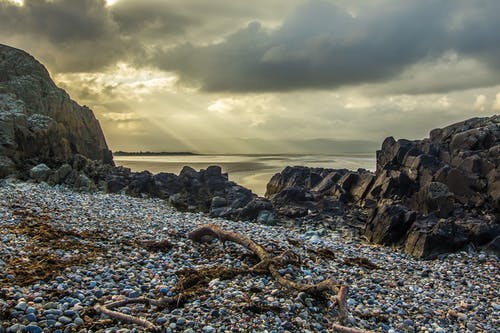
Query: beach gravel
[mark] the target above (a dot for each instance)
(102, 260)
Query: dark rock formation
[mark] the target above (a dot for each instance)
(453, 174)
(433, 195)
(207, 191)
(389, 224)
(39, 123)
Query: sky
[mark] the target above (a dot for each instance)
(265, 76)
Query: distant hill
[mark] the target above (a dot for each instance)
(151, 153)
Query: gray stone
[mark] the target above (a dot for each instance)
(7, 166)
(64, 320)
(21, 306)
(84, 184)
(63, 172)
(266, 217)
(40, 173)
(218, 202)
(33, 329)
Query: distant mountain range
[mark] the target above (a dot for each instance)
(151, 153)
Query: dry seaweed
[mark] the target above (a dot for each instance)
(323, 252)
(42, 259)
(361, 262)
(156, 246)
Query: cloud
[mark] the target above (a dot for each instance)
(496, 104)
(89, 35)
(480, 103)
(269, 45)
(323, 46)
(69, 36)
(154, 20)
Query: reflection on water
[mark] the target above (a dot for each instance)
(251, 171)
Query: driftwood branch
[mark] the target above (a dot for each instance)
(344, 329)
(342, 304)
(107, 310)
(211, 230)
(193, 281)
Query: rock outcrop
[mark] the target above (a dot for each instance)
(39, 122)
(431, 196)
(207, 190)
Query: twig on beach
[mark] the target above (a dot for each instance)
(343, 329)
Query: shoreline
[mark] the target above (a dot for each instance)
(454, 293)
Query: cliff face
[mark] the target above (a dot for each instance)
(39, 122)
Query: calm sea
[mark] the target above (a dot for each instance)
(251, 171)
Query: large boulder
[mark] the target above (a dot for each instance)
(142, 184)
(430, 237)
(297, 176)
(446, 179)
(39, 122)
(434, 197)
(389, 224)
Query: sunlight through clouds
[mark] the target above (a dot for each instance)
(496, 104)
(199, 75)
(480, 103)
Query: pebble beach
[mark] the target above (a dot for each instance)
(99, 260)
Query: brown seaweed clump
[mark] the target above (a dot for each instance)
(49, 250)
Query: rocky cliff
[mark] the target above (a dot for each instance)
(39, 122)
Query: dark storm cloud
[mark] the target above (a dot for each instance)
(69, 36)
(319, 45)
(323, 46)
(88, 35)
(151, 19)
(64, 21)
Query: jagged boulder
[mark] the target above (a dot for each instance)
(389, 224)
(429, 237)
(456, 167)
(434, 197)
(39, 122)
(295, 177)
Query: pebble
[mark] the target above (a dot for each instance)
(65, 320)
(21, 306)
(208, 329)
(33, 329)
(31, 317)
(408, 295)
